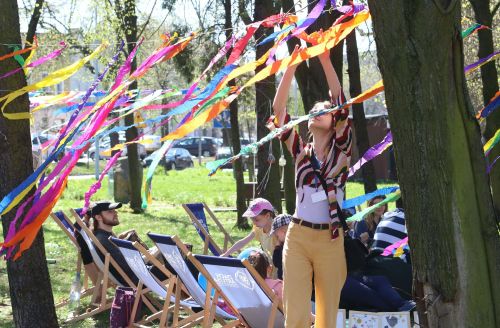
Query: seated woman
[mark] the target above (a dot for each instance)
(365, 230)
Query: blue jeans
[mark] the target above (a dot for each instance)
(374, 292)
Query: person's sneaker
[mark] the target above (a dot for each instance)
(407, 306)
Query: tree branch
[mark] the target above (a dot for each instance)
(35, 17)
(495, 9)
(147, 21)
(243, 13)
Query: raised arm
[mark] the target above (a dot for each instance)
(331, 76)
(281, 98)
(290, 138)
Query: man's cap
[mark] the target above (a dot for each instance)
(103, 206)
(280, 221)
(257, 206)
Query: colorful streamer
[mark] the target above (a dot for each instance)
(474, 28)
(353, 202)
(472, 67)
(360, 215)
(52, 79)
(372, 153)
(491, 143)
(249, 149)
(490, 107)
(37, 62)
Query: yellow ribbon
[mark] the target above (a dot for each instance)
(51, 79)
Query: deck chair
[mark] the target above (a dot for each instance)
(67, 227)
(148, 282)
(106, 280)
(244, 288)
(172, 249)
(196, 212)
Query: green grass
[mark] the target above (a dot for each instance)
(165, 215)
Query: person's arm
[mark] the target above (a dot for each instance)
(331, 76)
(291, 138)
(239, 244)
(343, 139)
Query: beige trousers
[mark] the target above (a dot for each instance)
(307, 251)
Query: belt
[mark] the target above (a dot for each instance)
(317, 226)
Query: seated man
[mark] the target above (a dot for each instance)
(105, 218)
(390, 229)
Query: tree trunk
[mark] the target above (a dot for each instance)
(269, 182)
(358, 112)
(489, 78)
(134, 167)
(29, 281)
(241, 222)
(441, 167)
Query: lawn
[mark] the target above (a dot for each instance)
(165, 215)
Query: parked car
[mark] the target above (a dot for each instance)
(43, 144)
(149, 159)
(178, 159)
(223, 153)
(152, 142)
(192, 144)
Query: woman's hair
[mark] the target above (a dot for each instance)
(260, 263)
(370, 218)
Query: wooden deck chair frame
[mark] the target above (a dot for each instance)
(105, 280)
(208, 238)
(86, 291)
(276, 302)
(210, 306)
(173, 288)
(211, 283)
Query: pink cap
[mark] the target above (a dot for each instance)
(257, 206)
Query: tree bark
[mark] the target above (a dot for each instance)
(29, 282)
(441, 167)
(358, 112)
(265, 90)
(241, 222)
(134, 167)
(489, 79)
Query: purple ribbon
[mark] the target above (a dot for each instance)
(372, 153)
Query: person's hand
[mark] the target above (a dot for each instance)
(364, 237)
(295, 54)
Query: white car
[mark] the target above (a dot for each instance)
(151, 142)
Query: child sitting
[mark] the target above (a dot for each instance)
(261, 264)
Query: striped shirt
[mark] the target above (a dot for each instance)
(334, 169)
(390, 230)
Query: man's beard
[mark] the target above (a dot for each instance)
(111, 222)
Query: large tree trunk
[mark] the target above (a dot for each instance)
(358, 112)
(29, 282)
(489, 78)
(134, 166)
(264, 95)
(235, 134)
(441, 167)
